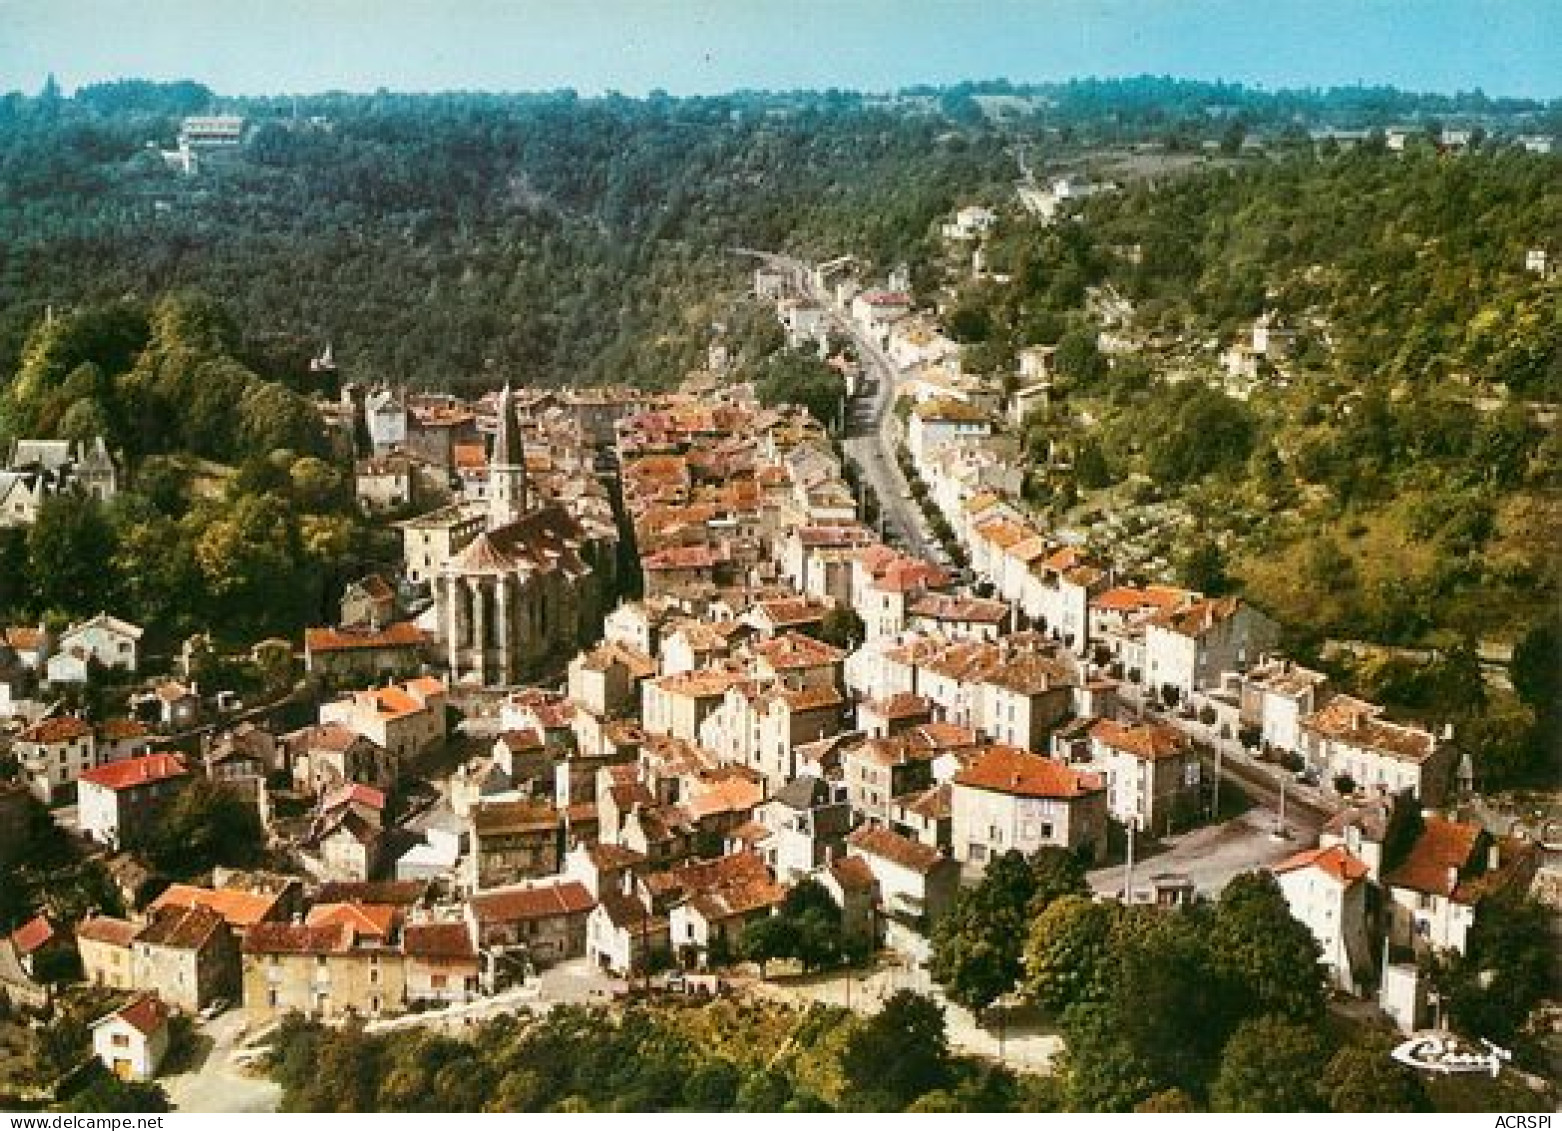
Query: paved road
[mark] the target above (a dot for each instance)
(215, 1081)
(868, 443)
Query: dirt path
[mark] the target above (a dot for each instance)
(1020, 1042)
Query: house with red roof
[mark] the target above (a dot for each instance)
(1006, 798)
(52, 753)
(404, 719)
(917, 883)
(366, 651)
(1433, 890)
(544, 922)
(442, 963)
(1191, 647)
(324, 970)
(120, 803)
(132, 1041)
(1152, 773)
(1327, 890)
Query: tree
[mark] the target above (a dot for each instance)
(105, 1092)
(1055, 872)
(1079, 359)
(1170, 1101)
(1203, 568)
(273, 417)
(898, 1053)
(802, 379)
(842, 627)
(69, 551)
(1069, 953)
(977, 944)
(1101, 1071)
(1270, 1064)
(206, 825)
(1090, 466)
(1365, 1078)
(767, 939)
(1536, 667)
(1509, 967)
(1269, 958)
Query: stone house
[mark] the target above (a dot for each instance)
(188, 955)
(512, 840)
(442, 963)
(917, 884)
(1006, 798)
(545, 921)
(324, 972)
(105, 944)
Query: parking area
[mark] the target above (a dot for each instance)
(1209, 856)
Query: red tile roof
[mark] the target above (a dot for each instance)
(1008, 769)
(297, 938)
(514, 904)
(438, 940)
(106, 929)
(146, 1014)
(1335, 861)
(1149, 742)
(853, 873)
(403, 634)
(146, 770)
(1439, 856)
(33, 934)
(240, 909)
(365, 920)
(65, 728)
(887, 844)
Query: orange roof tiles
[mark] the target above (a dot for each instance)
(403, 634)
(65, 728)
(873, 840)
(1334, 861)
(365, 920)
(147, 770)
(515, 904)
(241, 909)
(1147, 742)
(1008, 769)
(1440, 854)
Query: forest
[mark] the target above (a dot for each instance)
(442, 239)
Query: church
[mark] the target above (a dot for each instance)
(517, 587)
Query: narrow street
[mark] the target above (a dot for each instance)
(867, 441)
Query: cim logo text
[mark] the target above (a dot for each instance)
(1446, 1055)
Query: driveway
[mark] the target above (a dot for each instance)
(213, 1081)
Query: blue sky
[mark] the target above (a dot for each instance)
(1511, 47)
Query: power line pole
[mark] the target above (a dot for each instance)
(1128, 875)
